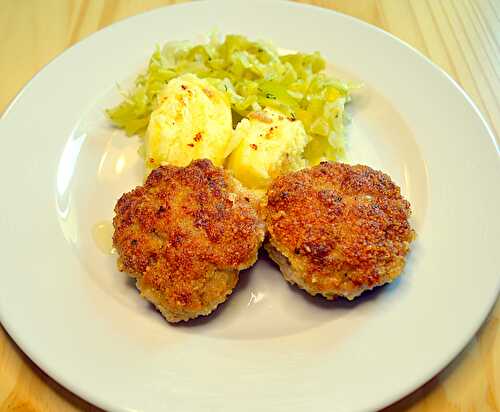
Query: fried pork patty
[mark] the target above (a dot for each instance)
(184, 236)
(336, 229)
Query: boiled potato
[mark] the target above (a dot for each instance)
(270, 144)
(192, 121)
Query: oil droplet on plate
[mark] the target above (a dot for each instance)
(102, 233)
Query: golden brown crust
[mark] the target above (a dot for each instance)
(185, 235)
(343, 228)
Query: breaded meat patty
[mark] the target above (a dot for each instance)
(336, 229)
(184, 236)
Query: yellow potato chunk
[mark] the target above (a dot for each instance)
(192, 121)
(270, 144)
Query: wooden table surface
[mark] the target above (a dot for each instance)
(461, 36)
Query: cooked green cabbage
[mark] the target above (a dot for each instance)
(253, 75)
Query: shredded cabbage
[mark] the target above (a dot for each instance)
(253, 75)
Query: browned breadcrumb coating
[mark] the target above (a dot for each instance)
(184, 235)
(337, 229)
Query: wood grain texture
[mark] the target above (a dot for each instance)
(460, 36)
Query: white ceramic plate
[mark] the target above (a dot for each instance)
(270, 347)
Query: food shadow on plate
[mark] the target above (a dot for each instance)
(340, 302)
(318, 302)
(321, 302)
